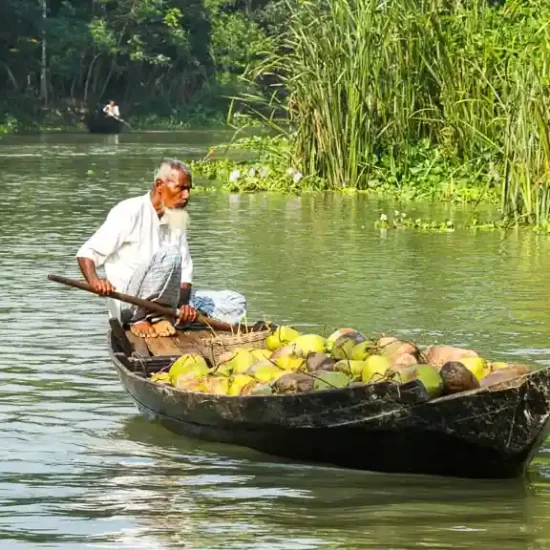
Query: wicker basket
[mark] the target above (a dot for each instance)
(217, 345)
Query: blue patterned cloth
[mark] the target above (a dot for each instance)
(224, 305)
(160, 281)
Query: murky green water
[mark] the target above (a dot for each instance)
(80, 469)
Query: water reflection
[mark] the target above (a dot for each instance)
(215, 496)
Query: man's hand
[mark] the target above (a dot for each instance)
(187, 314)
(103, 286)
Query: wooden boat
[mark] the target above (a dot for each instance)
(98, 123)
(485, 433)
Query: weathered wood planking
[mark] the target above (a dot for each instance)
(181, 342)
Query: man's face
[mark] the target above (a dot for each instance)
(175, 190)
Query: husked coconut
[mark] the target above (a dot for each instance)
(385, 341)
(504, 375)
(405, 360)
(439, 355)
(317, 361)
(293, 383)
(457, 378)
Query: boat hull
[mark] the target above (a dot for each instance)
(381, 427)
(98, 123)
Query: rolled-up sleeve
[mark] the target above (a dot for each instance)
(108, 238)
(186, 262)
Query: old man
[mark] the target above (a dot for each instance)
(143, 248)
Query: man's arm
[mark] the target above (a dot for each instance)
(108, 238)
(103, 286)
(185, 294)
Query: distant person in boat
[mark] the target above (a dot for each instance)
(143, 248)
(111, 109)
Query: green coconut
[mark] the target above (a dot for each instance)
(242, 360)
(337, 334)
(160, 377)
(353, 368)
(281, 337)
(330, 380)
(430, 378)
(261, 389)
(235, 362)
(239, 382)
(308, 343)
(476, 365)
(375, 368)
(265, 371)
(362, 350)
(188, 363)
(290, 362)
(260, 354)
(343, 347)
(286, 359)
(223, 369)
(218, 385)
(402, 374)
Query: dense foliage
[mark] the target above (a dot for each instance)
(405, 91)
(164, 58)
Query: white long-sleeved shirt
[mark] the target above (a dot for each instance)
(112, 110)
(129, 237)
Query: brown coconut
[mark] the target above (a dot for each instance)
(504, 375)
(294, 383)
(439, 355)
(319, 361)
(385, 341)
(396, 349)
(457, 378)
(405, 360)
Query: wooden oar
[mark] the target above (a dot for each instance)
(122, 120)
(147, 304)
(119, 119)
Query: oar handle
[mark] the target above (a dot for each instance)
(121, 120)
(140, 302)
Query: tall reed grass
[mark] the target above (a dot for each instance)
(362, 82)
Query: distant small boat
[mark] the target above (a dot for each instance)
(491, 432)
(98, 123)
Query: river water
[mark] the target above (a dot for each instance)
(80, 469)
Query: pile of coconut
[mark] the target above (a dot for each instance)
(292, 362)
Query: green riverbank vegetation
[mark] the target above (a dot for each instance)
(415, 95)
(167, 63)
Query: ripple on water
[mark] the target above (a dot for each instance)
(80, 468)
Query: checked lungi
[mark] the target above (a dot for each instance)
(160, 281)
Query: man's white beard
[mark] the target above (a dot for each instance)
(176, 218)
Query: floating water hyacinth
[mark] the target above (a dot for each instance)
(234, 175)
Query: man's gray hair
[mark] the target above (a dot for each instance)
(174, 165)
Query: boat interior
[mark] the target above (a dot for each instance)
(144, 356)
